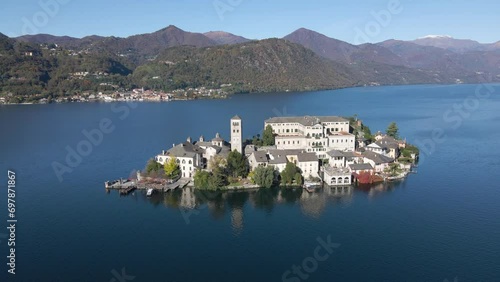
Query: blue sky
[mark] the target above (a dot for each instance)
(347, 20)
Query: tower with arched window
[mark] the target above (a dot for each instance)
(236, 134)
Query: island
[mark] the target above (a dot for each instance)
(305, 151)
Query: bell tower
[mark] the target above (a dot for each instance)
(236, 134)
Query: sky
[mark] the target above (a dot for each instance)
(354, 21)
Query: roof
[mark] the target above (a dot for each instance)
(306, 120)
(203, 144)
(361, 167)
(388, 142)
(266, 148)
(278, 159)
(335, 153)
(185, 150)
(350, 155)
(375, 145)
(289, 152)
(218, 138)
(377, 158)
(307, 157)
(336, 171)
(236, 117)
(249, 149)
(260, 156)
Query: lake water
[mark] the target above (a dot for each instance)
(440, 224)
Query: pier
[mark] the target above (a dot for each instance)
(126, 187)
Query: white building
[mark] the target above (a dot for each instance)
(313, 134)
(192, 156)
(337, 176)
(188, 156)
(308, 163)
(377, 161)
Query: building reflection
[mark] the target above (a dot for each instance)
(380, 189)
(232, 205)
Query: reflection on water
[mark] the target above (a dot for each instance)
(376, 190)
(233, 203)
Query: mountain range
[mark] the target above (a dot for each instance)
(302, 60)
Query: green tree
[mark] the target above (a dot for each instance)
(393, 169)
(237, 164)
(202, 179)
(257, 141)
(299, 180)
(367, 133)
(153, 167)
(288, 174)
(217, 162)
(393, 130)
(265, 177)
(218, 179)
(268, 137)
(172, 169)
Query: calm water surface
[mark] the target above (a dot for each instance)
(442, 223)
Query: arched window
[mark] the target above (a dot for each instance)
(340, 180)
(190, 162)
(346, 180)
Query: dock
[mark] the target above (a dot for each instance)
(181, 183)
(125, 187)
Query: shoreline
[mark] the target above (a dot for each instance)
(228, 96)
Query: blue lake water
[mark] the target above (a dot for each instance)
(440, 224)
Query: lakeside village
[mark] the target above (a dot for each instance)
(307, 151)
(135, 95)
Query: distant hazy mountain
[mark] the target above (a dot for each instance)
(221, 37)
(456, 64)
(144, 46)
(450, 43)
(322, 45)
(419, 56)
(64, 41)
(444, 63)
(137, 48)
(340, 51)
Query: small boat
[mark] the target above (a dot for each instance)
(308, 187)
(150, 192)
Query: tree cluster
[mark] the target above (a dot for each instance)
(266, 177)
(291, 174)
(222, 171)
